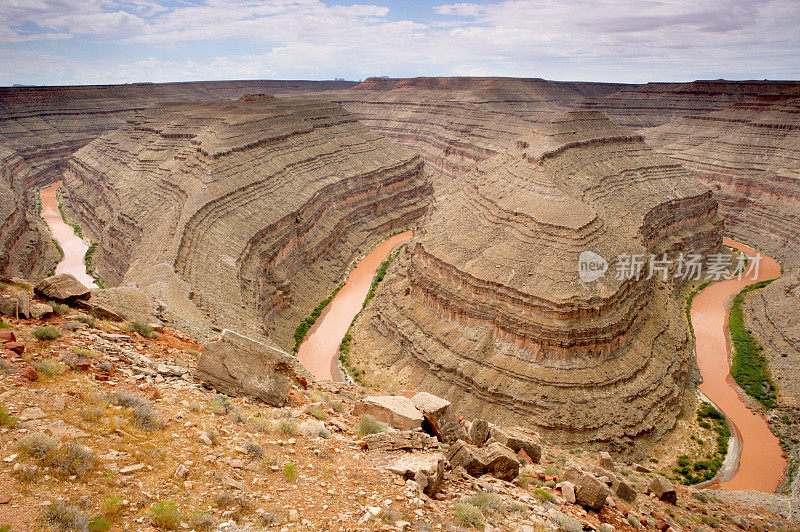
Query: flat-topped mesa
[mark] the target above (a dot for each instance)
(487, 306)
(242, 214)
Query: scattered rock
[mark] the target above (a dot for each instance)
(663, 489)
(396, 410)
(62, 287)
(16, 347)
(7, 335)
(516, 440)
(400, 440)
(567, 490)
(479, 432)
(606, 462)
(439, 416)
(589, 491)
(467, 456)
(236, 365)
(40, 310)
(28, 372)
(32, 413)
(427, 470)
(501, 461)
(624, 491)
(127, 470)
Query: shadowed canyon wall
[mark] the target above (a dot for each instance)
(241, 214)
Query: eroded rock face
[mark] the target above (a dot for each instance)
(236, 366)
(241, 214)
(486, 308)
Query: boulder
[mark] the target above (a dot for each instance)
(589, 491)
(567, 490)
(501, 461)
(624, 491)
(62, 287)
(40, 310)
(427, 470)
(663, 489)
(517, 440)
(465, 455)
(16, 347)
(479, 432)
(439, 416)
(17, 305)
(396, 410)
(400, 440)
(236, 365)
(7, 335)
(606, 462)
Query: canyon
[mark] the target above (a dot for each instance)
(238, 210)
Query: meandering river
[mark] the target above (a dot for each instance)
(319, 352)
(761, 463)
(73, 246)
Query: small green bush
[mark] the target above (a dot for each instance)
(317, 412)
(200, 520)
(49, 366)
(59, 309)
(369, 425)
(165, 514)
(254, 450)
(288, 428)
(6, 419)
(144, 414)
(220, 404)
(289, 471)
(73, 458)
(142, 328)
(111, 506)
(485, 501)
(467, 515)
(99, 524)
(88, 320)
(46, 333)
(337, 406)
(4, 325)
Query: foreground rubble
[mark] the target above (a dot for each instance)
(105, 428)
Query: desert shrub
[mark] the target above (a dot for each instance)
(288, 427)
(337, 406)
(260, 424)
(317, 412)
(220, 404)
(25, 473)
(542, 495)
(37, 445)
(142, 328)
(144, 414)
(111, 506)
(46, 333)
(369, 425)
(467, 515)
(200, 520)
(73, 458)
(254, 450)
(6, 419)
(4, 325)
(567, 523)
(289, 471)
(65, 516)
(238, 417)
(88, 320)
(59, 309)
(165, 514)
(314, 429)
(99, 524)
(49, 366)
(485, 501)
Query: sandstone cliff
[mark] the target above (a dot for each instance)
(486, 306)
(241, 214)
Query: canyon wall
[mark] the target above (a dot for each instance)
(486, 306)
(43, 126)
(241, 214)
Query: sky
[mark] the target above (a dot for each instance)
(64, 42)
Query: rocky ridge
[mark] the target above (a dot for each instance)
(106, 427)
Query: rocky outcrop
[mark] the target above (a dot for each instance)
(62, 287)
(236, 365)
(487, 309)
(241, 214)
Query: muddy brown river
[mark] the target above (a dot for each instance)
(74, 247)
(319, 352)
(761, 461)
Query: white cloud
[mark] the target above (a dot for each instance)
(609, 40)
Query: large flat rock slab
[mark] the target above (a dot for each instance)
(236, 365)
(62, 287)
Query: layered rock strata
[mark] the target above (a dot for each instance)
(486, 307)
(41, 127)
(241, 214)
